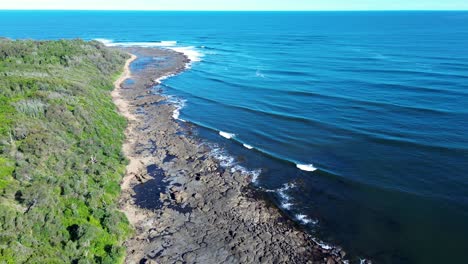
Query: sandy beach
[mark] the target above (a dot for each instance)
(184, 206)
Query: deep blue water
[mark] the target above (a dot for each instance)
(376, 101)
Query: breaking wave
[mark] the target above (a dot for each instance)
(226, 134)
(229, 162)
(247, 146)
(306, 167)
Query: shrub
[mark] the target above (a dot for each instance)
(55, 113)
(31, 107)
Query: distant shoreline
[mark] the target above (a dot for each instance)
(235, 11)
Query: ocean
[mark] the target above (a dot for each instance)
(354, 123)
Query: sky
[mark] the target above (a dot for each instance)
(275, 5)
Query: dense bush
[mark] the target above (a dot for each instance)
(60, 153)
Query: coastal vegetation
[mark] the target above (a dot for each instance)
(60, 153)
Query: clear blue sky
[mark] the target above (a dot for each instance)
(237, 4)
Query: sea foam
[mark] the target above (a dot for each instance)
(227, 161)
(287, 203)
(286, 200)
(106, 42)
(247, 146)
(226, 134)
(178, 104)
(303, 219)
(162, 78)
(322, 244)
(254, 174)
(306, 167)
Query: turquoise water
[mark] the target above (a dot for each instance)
(373, 105)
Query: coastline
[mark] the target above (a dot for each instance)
(184, 206)
(61, 160)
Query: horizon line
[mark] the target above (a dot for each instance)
(253, 10)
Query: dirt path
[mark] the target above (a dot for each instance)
(135, 163)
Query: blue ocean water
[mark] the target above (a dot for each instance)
(373, 106)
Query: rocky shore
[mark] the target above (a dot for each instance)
(184, 206)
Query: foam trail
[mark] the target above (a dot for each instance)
(286, 199)
(106, 42)
(176, 114)
(179, 104)
(190, 51)
(224, 159)
(168, 43)
(303, 219)
(162, 78)
(322, 244)
(227, 161)
(306, 167)
(247, 146)
(255, 174)
(226, 134)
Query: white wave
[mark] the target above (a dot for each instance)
(168, 43)
(287, 203)
(178, 104)
(322, 244)
(287, 186)
(303, 219)
(229, 162)
(306, 167)
(225, 160)
(104, 41)
(226, 134)
(285, 198)
(176, 114)
(252, 173)
(247, 146)
(190, 51)
(162, 78)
